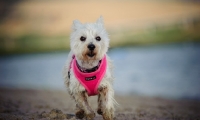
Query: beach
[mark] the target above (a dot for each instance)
(158, 41)
(26, 104)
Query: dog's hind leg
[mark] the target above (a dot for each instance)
(82, 106)
(106, 103)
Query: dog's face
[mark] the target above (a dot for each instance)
(89, 41)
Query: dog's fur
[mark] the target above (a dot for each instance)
(80, 49)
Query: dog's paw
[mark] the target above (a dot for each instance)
(80, 114)
(90, 116)
(99, 111)
(108, 114)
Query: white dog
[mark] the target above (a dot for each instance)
(88, 70)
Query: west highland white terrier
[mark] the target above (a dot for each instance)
(88, 70)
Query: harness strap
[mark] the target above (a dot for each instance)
(90, 81)
(73, 56)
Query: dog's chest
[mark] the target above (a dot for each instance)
(90, 79)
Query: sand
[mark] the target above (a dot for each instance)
(21, 104)
(55, 17)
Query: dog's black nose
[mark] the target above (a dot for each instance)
(91, 47)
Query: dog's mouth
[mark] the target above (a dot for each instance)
(91, 54)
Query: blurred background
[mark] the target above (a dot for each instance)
(155, 44)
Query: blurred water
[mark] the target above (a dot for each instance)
(168, 71)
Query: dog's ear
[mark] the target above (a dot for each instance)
(76, 24)
(100, 20)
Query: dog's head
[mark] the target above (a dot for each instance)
(89, 41)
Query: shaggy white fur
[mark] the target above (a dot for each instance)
(81, 37)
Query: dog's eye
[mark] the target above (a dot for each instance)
(83, 38)
(98, 38)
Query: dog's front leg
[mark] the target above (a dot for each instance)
(106, 103)
(82, 106)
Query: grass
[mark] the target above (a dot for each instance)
(34, 43)
(158, 35)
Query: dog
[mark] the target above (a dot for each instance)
(88, 70)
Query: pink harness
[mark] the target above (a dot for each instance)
(90, 80)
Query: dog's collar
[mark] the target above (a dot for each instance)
(88, 70)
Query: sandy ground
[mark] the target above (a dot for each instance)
(18, 104)
(55, 17)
